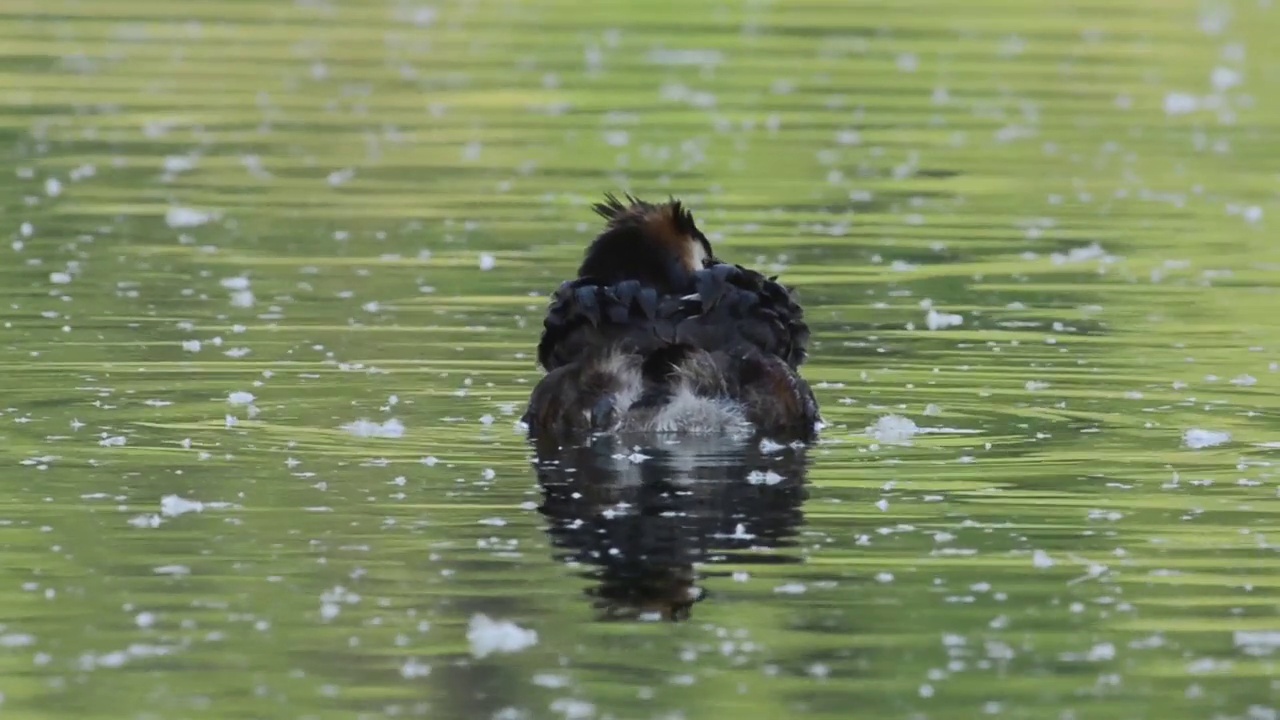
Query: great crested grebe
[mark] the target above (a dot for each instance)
(658, 335)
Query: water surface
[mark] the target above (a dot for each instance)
(274, 271)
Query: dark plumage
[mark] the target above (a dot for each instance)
(658, 245)
(657, 335)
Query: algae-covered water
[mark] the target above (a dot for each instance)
(272, 275)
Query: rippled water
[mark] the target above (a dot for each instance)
(274, 273)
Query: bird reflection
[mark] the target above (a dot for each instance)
(644, 514)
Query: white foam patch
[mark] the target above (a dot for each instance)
(185, 217)
(1257, 642)
(488, 636)
(172, 505)
(893, 429)
(764, 477)
(947, 431)
(392, 428)
(1092, 251)
(1197, 438)
(935, 320)
(413, 669)
(769, 447)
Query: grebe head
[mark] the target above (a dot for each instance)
(657, 244)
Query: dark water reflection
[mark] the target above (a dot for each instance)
(649, 517)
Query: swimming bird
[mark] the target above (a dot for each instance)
(657, 334)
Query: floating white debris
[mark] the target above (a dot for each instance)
(688, 58)
(1040, 559)
(791, 589)
(1244, 380)
(935, 320)
(567, 708)
(1180, 103)
(367, 428)
(1034, 385)
(489, 636)
(172, 505)
(893, 429)
(148, 521)
(1092, 251)
(240, 398)
(185, 217)
(331, 601)
(191, 345)
(764, 477)
(1257, 642)
(15, 640)
(1224, 78)
(414, 669)
(59, 278)
(1101, 652)
(768, 446)
(179, 163)
(1196, 438)
(487, 261)
(112, 440)
(341, 177)
(242, 298)
(635, 456)
(850, 137)
(550, 680)
(493, 521)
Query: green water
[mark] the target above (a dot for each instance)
(295, 200)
